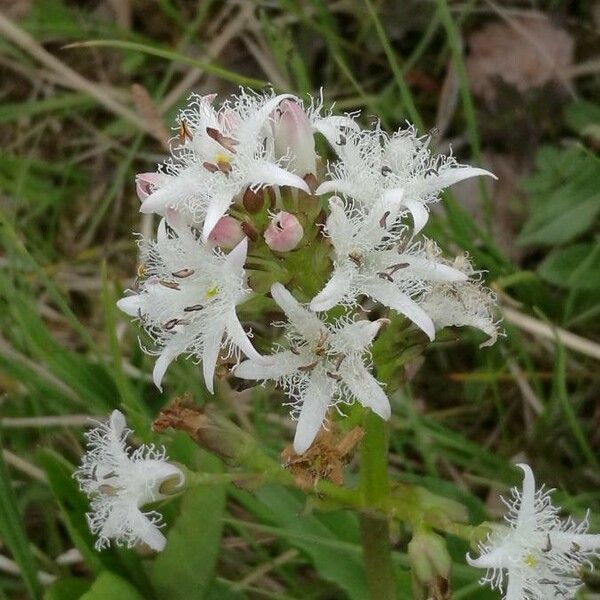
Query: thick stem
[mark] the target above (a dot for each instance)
(375, 488)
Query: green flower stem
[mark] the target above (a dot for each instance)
(376, 499)
(375, 491)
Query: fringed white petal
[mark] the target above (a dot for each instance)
(239, 337)
(527, 512)
(428, 269)
(333, 292)
(449, 176)
(166, 357)
(389, 295)
(357, 336)
(365, 388)
(302, 319)
(211, 346)
(271, 174)
(514, 588)
(315, 401)
(339, 186)
(217, 207)
(130, 305)
(236, 259)
(146, 530)
(418, 212)
(329, 128)
(274, 366)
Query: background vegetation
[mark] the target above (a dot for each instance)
(513, 86)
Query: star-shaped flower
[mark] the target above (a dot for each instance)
(538, 556)
(187, 303)
(373, 164)
(120, 482)
(371, 257)
(325, 365)
(220, 153)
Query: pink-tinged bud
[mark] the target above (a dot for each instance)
(294, 138)
(146, 183)
(227, 233)
(284, 232)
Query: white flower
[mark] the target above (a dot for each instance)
(220, 152)
(373, 164)
(371, 257)
(538, 556)
(120, 482)
(188, 302)
(456, 304)
(324, 365)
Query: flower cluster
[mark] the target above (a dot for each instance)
(119, 482)
(242, 200)
(537, 555)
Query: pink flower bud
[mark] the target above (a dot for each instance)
(227, 233)
(146, 183)
(284, 232)
(294, 138)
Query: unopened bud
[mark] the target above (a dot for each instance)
(284, 232)
(429, 557)
(227, 233)
(294, 138)
(146, 183)
(254, 201)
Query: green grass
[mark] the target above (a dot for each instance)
(67, 212)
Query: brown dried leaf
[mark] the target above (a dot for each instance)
(526, 52)
(325, 459)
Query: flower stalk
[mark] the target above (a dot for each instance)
(375, 491)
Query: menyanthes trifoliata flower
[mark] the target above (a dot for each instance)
(537, 555)
(187, 299)
(374, 256)
(324, 365)
(218, 154)
(373, 164)
(120, 482)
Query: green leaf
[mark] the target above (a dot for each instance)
(69, 588)
(563, 194)
(109, 586)
(584, 118)
(184, 570)
(13, 534)
(311, 534)
(576, 267)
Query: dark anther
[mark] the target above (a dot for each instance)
(170, 324)
(333, 376)
(193, 308)
(183, 273)
(170, 284)
(184, 132)
(310, 367)
(385, 170)
(387, 276)
(383, 220)
(210, 167)
(393, 268)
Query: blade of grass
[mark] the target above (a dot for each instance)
(405, 93)
(560, 389)
(13, 533)
(209, 67)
